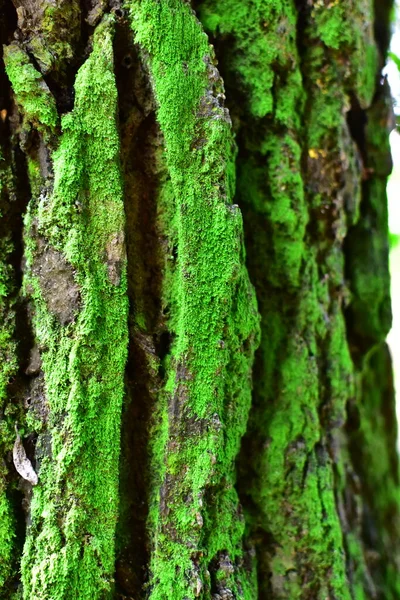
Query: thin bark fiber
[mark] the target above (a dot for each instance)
(196, 395)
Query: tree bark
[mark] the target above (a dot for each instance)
(196, 396)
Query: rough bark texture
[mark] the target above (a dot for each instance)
(180, 417)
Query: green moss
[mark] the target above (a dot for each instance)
(373, 451)
(294, 488)
(35, 176)
(294, 236)
(290, 120)
(31, 91)
(7, 343)
(263, 44)
(368, 245)
(8, 366)
(60, 29)
(293, 491)
(7, 535)
(345, 29)
(213, 317)
(256, 43)
(69, 551)
(332, 23)
(344, 57)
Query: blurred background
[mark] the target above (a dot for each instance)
(393, 74)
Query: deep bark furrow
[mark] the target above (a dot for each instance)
(146, 183)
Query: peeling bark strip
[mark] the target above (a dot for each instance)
(194, 511)
(278, 482)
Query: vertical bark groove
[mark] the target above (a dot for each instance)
(144, 174)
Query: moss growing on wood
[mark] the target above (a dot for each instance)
(289, 519)
(8, 368)
(291, 152)
(373, 452)
(51, 31)
(257, 44)
(31, 92)
(194, 520)
(74, 236)
(368, 246)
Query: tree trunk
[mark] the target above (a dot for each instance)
(196, 395)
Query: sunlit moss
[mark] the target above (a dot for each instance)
(213, 316)
(34, 97)
(69, 551)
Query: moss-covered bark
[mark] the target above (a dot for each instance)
(206, 398)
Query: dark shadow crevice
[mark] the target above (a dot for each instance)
(149, 339)
(14, 197)
(383, 10)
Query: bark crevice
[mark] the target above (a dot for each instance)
(149, 340)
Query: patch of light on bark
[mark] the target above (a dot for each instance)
(393, 191)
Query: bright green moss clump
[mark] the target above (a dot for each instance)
(79, 228)
(213, 317)
(33, 96)
(263, 44)
(6, 538)
(261, 30)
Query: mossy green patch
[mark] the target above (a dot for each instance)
(373, 451)
(254, 29)
(6, 538)
(54, 32)
(79, 226)
(60, 28)
(213, 316)
(263, 45)
(346, 32)
(8, 364)
(368, 245)
(291, 151)
(32, 93)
